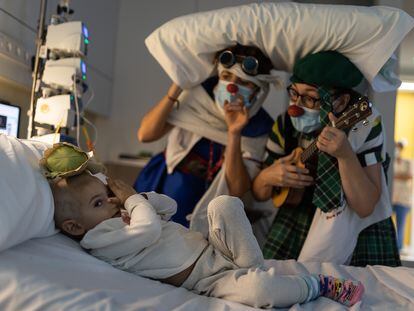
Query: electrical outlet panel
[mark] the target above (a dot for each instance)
(11, 48)
(15, 61)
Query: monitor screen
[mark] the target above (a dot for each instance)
(9, 119)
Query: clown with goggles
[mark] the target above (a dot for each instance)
(217, 132)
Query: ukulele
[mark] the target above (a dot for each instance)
(358, 111)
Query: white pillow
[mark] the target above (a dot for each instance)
(26, 202)
(368, 36)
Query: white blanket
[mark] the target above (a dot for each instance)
(54, 273)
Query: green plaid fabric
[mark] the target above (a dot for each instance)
(328, 188)
(289, 230)
(377, 245)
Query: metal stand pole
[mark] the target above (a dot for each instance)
(36, 77)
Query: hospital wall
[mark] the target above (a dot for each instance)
(15, 77)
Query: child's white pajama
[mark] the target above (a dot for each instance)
(231, 267)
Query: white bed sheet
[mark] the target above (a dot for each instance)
(55, 273)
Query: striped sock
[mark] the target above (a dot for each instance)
(344, 291)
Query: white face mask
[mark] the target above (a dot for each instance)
(308, 122)
(221, 94)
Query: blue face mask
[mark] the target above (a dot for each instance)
(221, 94)
(308, 122)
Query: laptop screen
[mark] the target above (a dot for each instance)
(9, 119)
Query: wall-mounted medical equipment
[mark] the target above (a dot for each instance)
(58, 111)
(64, 73)
(59, 77)
(70, 38)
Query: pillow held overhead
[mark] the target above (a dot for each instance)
(285, 32)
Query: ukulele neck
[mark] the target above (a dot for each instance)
(309, 152)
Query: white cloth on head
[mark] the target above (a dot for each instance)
(261, 80)
(101, 176)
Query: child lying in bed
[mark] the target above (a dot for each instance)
(229, 265)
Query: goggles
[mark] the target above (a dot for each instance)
(249, 64)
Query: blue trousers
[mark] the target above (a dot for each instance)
(401, 212)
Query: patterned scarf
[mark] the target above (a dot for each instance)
(328, 190)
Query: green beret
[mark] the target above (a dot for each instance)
(328, 69)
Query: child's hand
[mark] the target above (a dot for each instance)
(121, 190)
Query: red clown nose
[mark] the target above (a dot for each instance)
(295, 111)
(232, 88)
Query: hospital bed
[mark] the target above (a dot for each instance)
(44, 270)
(54, 273)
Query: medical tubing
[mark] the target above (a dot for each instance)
(90, 98)
(77, 114)
(39, 42)
(94, 129)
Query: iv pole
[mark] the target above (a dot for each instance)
(36, 73)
